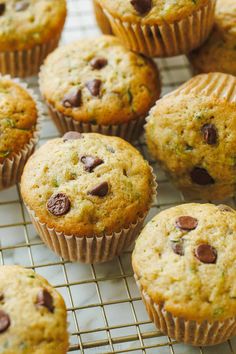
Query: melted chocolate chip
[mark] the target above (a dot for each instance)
(45, 299)
(72, 136)
(58, 204)
(209, 134)
(1, 296)
(186, 223)
(225, 208)
(5, 321)
(100, 191)
(206, 253)
(178, 247)
(98, 63)
(72, 99)
(21, 6)
(201, 176)
(2, 8)
(142, 6)
(94, 87)
(90, 162)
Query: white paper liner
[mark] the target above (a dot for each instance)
(190, 332)
(96, 249)
(129, 131)
(23, 63)
(11, 168)
(101, 18)
(166, 40)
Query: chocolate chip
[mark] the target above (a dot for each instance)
(58, 204)
(209, 134)
(206, 253)
(21, 6)
(72, 136)
(2, 8)
(94, 86)
(1, 296)
(142, 6)
(98, 63)
(45, 299)
(225, 208)
(90, 162)
(186, 223)
(201, 176)
(178, 247)
(4, 321)
(100, 191)
(72, 99)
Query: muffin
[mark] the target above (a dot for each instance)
(101, 18)
(160, 28)
(184, 264)
(218, 53)
(20, 113)
(32, 314)
(97, 85)
(191, 132)
(29, 31)
(88, 195)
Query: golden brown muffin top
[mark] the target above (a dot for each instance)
(32, 313)
(18, 117)
(99, 81)
(87, 184)
(185, 259)
(219, 51)
(152, 11)
(26, 23)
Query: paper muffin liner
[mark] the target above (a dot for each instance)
(11, 168)
(216, 85)
(129, 131)
(190, 332)
(95, 249)
(166, 40)
(101, 18)
(23, 63)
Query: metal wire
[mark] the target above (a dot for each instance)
(105, 311)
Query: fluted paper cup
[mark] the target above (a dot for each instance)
(167, 39)
(190, 332)
(11, 168)
(129, 131)
(23, 63)
(101, 18)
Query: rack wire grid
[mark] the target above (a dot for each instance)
(105, 311)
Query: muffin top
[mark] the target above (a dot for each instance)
(32, 314)
(185, 260)
(26, 23)
(99, 81)
(87, 184)
(18, 116)
(219, 51)
(193, 136)
(152, 11)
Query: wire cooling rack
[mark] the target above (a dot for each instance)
(105, 311)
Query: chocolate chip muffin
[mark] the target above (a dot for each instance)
(32, 314)
(98, 85)
(19, 113)
(101, 18)
(191, 132)
(219, 51)
(29, 31)
(160, 28)
(88, 195)
(184, 263)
